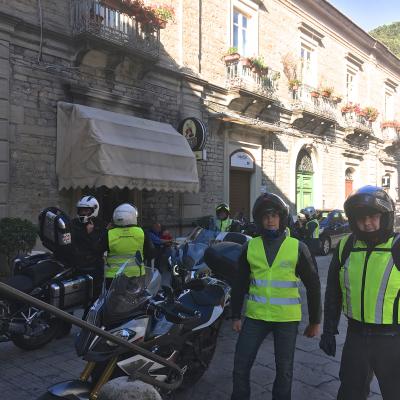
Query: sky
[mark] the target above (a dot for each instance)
(369, 14)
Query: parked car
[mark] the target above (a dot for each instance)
(333, 227)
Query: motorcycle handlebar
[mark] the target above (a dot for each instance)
(6, 290)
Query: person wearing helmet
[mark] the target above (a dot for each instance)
(364, 281)
(89, 241)
(311, 232)
(224, 223)
(125, 239)
(270, 268)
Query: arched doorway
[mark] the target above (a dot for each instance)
(304, 180)
(349, 178)
(242, 166)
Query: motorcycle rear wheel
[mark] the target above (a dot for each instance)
(26, 342)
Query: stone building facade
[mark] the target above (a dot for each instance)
(270, 126)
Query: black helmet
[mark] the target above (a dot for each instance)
(309, 212)
(366, 201)
(268, 202)
(222, 207)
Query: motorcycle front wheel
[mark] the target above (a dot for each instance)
(28, 342)
(197, 354)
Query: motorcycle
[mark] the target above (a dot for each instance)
(48, 277)
(182, 329)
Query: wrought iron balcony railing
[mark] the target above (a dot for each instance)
(305, 98)
(240, 75)
(357, 122)
(94, 18)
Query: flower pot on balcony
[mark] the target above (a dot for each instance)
(314, 94)
(325, 94)
(162, 24)
(231, 57)
(246, 62)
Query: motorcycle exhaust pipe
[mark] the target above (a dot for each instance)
(8, 291)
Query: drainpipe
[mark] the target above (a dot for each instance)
(200, 33)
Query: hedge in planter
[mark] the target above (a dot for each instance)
(17, 236)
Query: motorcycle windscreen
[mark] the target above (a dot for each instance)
(128, 291)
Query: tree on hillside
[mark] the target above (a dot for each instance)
(389, 35)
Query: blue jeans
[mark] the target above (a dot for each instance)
(250, 339)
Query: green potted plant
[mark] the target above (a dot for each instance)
(163, 13)
(371, 113)
(294, 84)
(232, 55)
(258, 65)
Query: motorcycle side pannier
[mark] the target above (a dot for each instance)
(69, 293)
(222, 258)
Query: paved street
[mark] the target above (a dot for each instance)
(25, 375)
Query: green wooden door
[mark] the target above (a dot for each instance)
(304, 190)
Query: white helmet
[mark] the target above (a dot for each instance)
(91, 203)
(125, 215)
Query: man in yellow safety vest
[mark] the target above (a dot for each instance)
(125, 239)
(270, 269)
(364, 281)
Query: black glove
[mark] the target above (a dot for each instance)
(328, 344)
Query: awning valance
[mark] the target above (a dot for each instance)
(102, 148)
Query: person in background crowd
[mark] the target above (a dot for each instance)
(224, 223)
(364, 281)
(160, 240)
(89, 238)
(311, 231)
(270, 268)
(125, 239)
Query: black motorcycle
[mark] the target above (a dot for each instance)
(182, 329)
(50, 277)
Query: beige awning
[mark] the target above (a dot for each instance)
(102, 148)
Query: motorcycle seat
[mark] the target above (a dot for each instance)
(43, 271)
(211, 295)
(20, 282)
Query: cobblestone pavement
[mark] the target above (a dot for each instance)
(26, 375)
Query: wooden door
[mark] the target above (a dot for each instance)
(239, 193)
(348, 187)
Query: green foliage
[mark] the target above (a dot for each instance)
(389, 35)
(16, 236)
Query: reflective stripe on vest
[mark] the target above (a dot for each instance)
(224, 225)
(287, 231)
(315, 234)
(123, 243)
(370, 287)
(273, 291)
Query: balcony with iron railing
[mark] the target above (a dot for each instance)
(307, 98)
(93, 18)
(357, 123)
(241, 75)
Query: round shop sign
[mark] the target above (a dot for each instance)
(195, 133)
